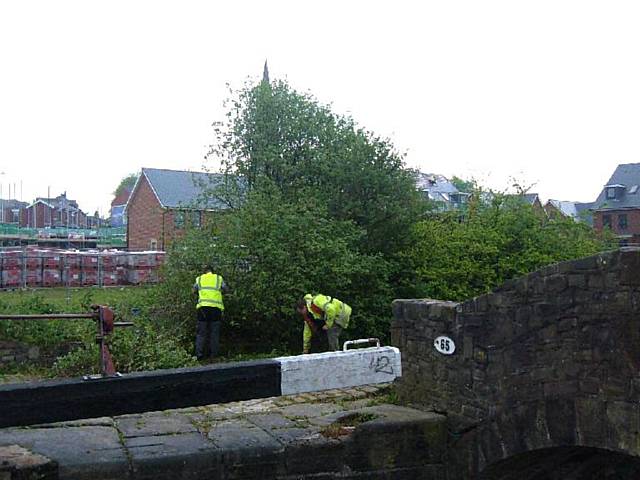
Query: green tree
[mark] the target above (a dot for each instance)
(271, 252)
(456, 257)
(277, 135)
(126, 183)
(466, 186)
(321, 206)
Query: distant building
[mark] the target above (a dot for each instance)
(118, 204)
(39, 214)
(618, 205)
(579, 211)
(94, 221)
(10, 211)
(530, 199)
(165, 203)
(439, 190)
(57, 212)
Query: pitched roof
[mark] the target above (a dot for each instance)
(572, 209)
(122, 197)
(40, 200)
(626, 178)
(181, 189)
(437, 187)
(13, 203)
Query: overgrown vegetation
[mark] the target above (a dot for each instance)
(71, 343)
(316, 204)
(322, 206)
(458, 255)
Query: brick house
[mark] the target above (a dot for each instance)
(618, 205)
(164, 203)
(53, 212)
(39, 214)
(10, 211)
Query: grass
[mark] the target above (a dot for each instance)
(65, 298)
(346, 425)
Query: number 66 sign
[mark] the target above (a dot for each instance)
(444, 345)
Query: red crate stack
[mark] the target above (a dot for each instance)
(90, 277)
(90, 265)
(71, 270)
(33, 277)
(51, 259)
(33, 259)
(12, 278)
(11, 264)
(108, 267)
(12, 259)
(51, 277)
(50, 267)
(139, 264)
(143, 275)
(110, 279)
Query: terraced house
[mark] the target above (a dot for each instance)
(165, 203)
(618, 205)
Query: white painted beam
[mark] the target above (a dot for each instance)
(325, 371)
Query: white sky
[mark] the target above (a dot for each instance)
(544, 91)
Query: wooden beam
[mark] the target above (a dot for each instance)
(61, 400)
(72, 399)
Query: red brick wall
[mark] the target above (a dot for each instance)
(37, 216)
(633, 222)
(145, 218)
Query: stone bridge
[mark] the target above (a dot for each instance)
(544, 382)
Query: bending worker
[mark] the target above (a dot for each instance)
(209, 287)
(334, 313)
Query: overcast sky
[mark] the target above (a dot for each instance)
(544, 91)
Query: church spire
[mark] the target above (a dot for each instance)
(265, 73)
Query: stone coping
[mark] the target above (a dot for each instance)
(331, 433)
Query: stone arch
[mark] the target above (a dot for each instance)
(565, 463)
(549, 360)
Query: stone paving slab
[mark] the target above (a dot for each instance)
(154, 424)
(19, 463)
(81, 452)
(187, 455)
(285, 437)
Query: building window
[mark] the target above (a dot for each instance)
(606, 221)
(178, 219)
(622, 221)
(196, 219)
(153, 244)
(611, 193)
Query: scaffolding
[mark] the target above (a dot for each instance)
(109, 237)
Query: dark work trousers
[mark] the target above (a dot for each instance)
(208, 332)
(319, 342)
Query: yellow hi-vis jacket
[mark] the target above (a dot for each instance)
(209, 287)
(323, 307)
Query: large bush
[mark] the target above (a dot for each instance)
(456, 256)
(271, 253)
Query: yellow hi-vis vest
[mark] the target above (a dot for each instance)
(209, 290)
(331, 310)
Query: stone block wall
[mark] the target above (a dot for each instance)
(14, 352)
(552, 358)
